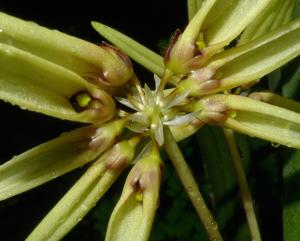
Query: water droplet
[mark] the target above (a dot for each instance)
(54, 175)
(7, 51)
(288, 144)
(214, 225)
(84, 207)
(78, 219)
(189, 189)
(276, 145)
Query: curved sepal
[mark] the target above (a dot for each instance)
(241, 65)
(85, 193)
(221, 25)
(134, 213)
(103, 64)
(36, 84)
(213, 27)
(273, 16)
(252, 117)
(55, 158)
(277, 100)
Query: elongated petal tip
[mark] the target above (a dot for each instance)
(74, 54)
(134, 213)
(117, 69)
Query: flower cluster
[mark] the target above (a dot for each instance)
(204, 78)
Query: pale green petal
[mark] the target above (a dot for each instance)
(134, 213)
(141, 54)
(84, 194)
(215, 25)
(39, 85)
(259, 119)
(241, 65)
(277, 100)
(55, 158)
(184, 47)
(193, 7)
(72, 53)
(285, 14)
(228, 18)
(274, 15)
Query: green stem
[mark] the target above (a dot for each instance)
(191, 186)
(243, 185)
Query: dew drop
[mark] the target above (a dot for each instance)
(7, 51)
(275, 145)
(288, 144)
(214, 225)
(53, 174)
(189, 189)
(84, 207)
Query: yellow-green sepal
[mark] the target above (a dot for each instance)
(254, 118)
(221, 25)
(85, 192)
(276, 100)
(134, 213)
(56, 157)
(249, 62)
(273, 16)
(79, 56)
(38, 85)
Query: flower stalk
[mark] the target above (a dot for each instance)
(243, 185)
(191, 187)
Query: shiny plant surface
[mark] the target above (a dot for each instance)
(207, 76)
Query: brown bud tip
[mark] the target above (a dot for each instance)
(214, 112)
(118, 70)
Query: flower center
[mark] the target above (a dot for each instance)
(153, 109)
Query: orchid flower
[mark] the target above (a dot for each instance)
(205, 77)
